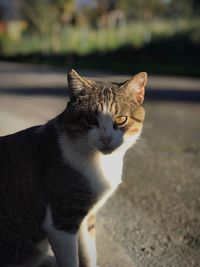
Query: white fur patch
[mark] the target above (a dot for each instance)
(43, 246)
(64, 244)
(88, 244)
(103, 172)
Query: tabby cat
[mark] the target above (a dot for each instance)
(55, 177)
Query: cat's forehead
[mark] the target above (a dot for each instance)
(106, 87)
(116, 89)
(110, 97)
(108, 92)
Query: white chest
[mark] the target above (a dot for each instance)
(103, 172)
(107, 176)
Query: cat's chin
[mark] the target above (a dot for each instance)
(103, 150)
(107, 150)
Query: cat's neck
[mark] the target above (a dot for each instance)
(92, 164)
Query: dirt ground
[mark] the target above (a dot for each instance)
(153, 220)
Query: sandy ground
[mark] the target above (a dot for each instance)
(154, 218)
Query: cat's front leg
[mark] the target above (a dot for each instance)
(65, 248)
(64, 244)
(87, 243)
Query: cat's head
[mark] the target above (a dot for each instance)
(105, 116)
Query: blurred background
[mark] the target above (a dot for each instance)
(153, 220)
(160, 36)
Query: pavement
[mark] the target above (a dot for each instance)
(153, 220)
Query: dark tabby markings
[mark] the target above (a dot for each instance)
(91, 225)
(83, 110)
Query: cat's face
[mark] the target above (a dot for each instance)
(105, 116)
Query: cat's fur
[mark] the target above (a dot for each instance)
(54, 177)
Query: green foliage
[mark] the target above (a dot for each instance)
(151, 29)
(85, 39)
(44, 16)
(141, 9)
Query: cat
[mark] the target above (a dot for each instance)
(55, 177)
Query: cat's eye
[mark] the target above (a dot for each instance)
(92, 120)
(121, 120)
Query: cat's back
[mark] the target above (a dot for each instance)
(20, 168)
(21, 165)
(18, 149)
(18, 139)
(22, 205)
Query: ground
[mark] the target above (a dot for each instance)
(153, 220)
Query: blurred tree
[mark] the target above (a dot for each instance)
(44, 16)
(142, 9)
(181, 8)
(105, 6)
(196, 6)
(107, 13)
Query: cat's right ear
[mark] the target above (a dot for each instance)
(78, 84)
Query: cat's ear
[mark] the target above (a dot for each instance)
(137, 85)
(77, 83)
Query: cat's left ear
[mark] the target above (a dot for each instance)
(78, 84)
(137, 86)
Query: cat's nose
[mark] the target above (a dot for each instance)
(105, 139)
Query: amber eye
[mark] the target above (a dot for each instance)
(121, 120)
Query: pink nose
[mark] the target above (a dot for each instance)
(106, 139)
